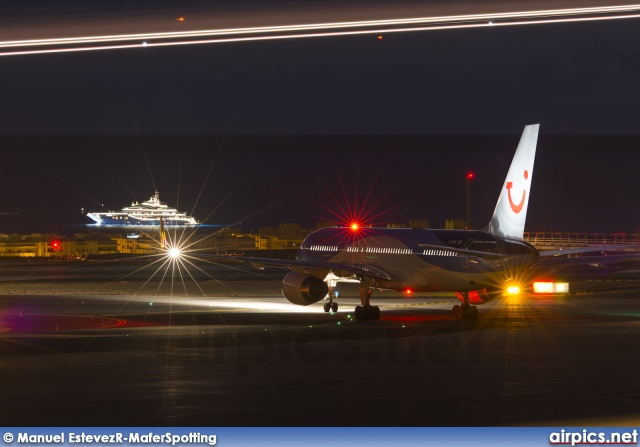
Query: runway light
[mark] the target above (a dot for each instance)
(180, 19)
(379, 37)
(549, 287)
(542, 287)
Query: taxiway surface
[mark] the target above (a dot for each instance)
(248, 357)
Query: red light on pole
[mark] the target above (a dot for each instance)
(470, 176)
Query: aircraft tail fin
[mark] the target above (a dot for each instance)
(511, 211)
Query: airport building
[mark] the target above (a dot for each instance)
(234, 241)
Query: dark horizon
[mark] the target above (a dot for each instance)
(570, 77)
(310, 123)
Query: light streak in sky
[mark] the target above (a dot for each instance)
(95, 43)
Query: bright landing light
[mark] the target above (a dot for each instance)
(174, 253)
(513, 290)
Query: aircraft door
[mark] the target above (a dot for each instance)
(464, 258)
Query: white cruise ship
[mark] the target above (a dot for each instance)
(146, 213)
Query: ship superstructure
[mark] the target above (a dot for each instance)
(149, 212)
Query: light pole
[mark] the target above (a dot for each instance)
(470, 177)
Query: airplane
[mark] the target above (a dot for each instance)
(477, 265)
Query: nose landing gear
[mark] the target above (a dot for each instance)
(331, 305)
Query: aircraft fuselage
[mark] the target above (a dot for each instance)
(419, 259)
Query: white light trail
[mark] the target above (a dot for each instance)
(95, 43)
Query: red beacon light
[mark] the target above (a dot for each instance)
(408, 291)
(470, 175)
(354, 226)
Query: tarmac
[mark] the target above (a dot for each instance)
(96, 350)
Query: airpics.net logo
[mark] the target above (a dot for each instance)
(588, 437)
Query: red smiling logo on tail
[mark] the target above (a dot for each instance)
(511, 210)
(517, 208)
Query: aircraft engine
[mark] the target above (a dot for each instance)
(302, 289)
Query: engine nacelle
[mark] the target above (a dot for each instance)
(303, 289)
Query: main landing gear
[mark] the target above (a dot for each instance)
(366, 311)
(466, 310)
(330, 305)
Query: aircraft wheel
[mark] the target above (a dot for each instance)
(367, 313)
(334, 307)
(465, 312)
(327, 307)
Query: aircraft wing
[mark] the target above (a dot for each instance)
(464, 251)
(309, 267)
(345, 269)
(580, 250)
(589, 267)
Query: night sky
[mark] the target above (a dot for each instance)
(408, 114)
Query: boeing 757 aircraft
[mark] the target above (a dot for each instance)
(476, 264)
